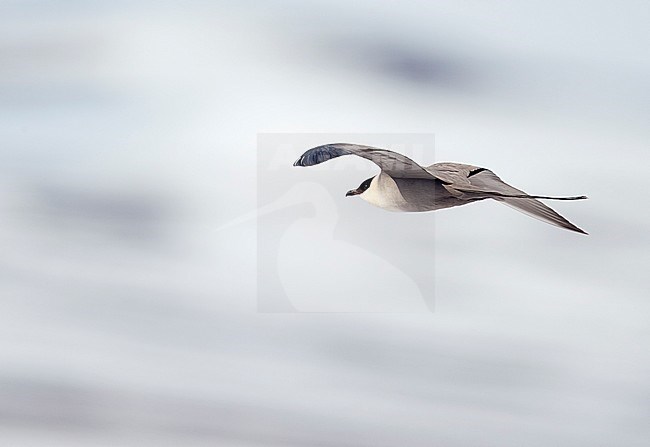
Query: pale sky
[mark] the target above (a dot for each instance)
(130, 137)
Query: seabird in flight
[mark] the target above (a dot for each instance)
(404, 185)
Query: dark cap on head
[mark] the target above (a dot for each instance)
(361, 189)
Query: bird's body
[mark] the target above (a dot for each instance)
(408, 195)
(403, 185)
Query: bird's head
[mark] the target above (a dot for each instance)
(361, 189)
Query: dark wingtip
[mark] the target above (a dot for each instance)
(576, 229)
(319, 154)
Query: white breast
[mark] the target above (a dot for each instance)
(384, 193)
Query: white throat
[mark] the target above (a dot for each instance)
(383, 193)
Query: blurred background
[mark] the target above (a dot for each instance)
(129, 316)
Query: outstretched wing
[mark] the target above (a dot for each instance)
(394, 164)
(486, 180)
(454, 174)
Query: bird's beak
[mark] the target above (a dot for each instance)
(353, 192)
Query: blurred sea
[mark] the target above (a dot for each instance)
(128, 315)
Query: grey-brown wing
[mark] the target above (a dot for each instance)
(456, 174)
(394, 164)
(487, 180)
